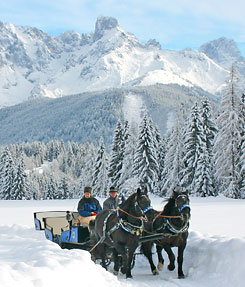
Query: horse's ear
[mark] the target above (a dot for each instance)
(175, 194)
(138, 192)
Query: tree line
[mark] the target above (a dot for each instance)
(204, 152)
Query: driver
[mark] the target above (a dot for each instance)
(88, 207)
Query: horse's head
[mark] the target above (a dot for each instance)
(135, 207)
(142, 201)
(182, 203)
(176, 213)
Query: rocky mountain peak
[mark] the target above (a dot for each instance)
(223, 51)
(103, 24)
(153, 43)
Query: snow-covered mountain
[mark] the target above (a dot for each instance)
(34, 64)
(224, 52)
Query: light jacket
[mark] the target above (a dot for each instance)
(111, 203)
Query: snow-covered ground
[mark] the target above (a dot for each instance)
(215, 253)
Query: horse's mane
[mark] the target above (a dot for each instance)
(169, 206)
(126, 203)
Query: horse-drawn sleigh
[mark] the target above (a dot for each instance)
(116, 234)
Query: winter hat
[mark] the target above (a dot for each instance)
(113, 189)
(87, 189)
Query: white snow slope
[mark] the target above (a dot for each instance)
(215, 253)
(34, 64)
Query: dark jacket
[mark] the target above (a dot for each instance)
(111, 203)
(88, 205)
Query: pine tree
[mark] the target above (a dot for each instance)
(86, 177)
(116, 156)
(227, 141)
(159, 148)
(126, 179)
(241, 147)
(20, 189)
(173, 164)
(6, 174)
(194, 146)
(100, 174)
(63, 189)
(204, 177)
(145, 165)
(52, 189)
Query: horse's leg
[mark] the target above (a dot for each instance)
(116, 262)
(131, 251)
(160, 258)
(181, 249)
(147, 251)
(102, 252)
(171, 257)
(120, 248)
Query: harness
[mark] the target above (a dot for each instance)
(167, 224)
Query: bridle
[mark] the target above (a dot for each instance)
(168, 224)
(142, 211)
(185, 204)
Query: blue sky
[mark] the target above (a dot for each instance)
(176, 24)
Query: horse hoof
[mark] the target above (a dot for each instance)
(160, 266)
(123, 271)
(171, 268)
(129, 276)
(181, 276)
(155, 272)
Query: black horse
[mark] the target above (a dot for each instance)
(121, 230)
(172, 224)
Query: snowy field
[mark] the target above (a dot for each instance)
(215, 253)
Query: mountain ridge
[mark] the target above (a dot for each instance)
(34, 64)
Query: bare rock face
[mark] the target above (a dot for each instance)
(102, 25)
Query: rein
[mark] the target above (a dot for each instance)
(136, 217)
(166, 216)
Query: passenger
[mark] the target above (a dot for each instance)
(113, 200)
(88, 207)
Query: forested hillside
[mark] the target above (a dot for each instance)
(86, 117)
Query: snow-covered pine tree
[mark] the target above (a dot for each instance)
(203, 184)
(173, 163)
(145, 164)
(87, 171)
(100, 174)
(20, 188)
(126, 182)
(204, 177)
(6, 174)
(241, 147)
(242, 169)
(159, 147)
(194, 145)
(63, 189)
(116, 156)
(52, 189)
(227, 140)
